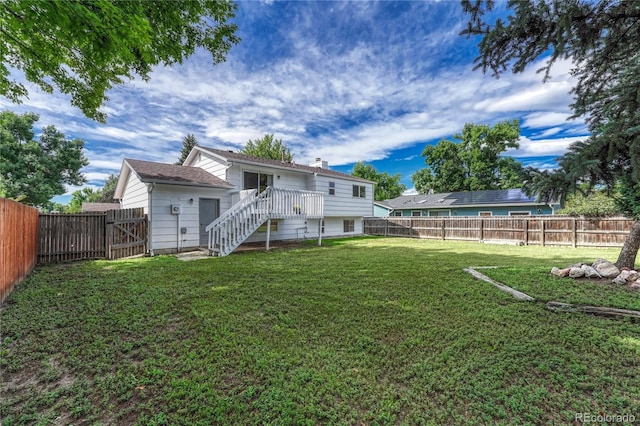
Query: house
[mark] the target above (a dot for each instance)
(502, 202)
(220, 199)
(99, 207)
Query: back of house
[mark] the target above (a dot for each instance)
(182, 201)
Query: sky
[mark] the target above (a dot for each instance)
(343, 81)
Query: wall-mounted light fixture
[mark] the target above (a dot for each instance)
(191, 201)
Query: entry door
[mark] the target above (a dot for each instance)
(209, 211)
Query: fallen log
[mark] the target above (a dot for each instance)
(512, 291)
(593, 310)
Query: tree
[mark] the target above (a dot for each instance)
(35, 171)
(109, 189)
(188, 143)
(84, 195)
(268, 147)
(386, 186)
(596, 204)
(472, 161)
(602, 39)
(84, 48)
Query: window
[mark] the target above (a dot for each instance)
(349, 225)
(322, 226)
(485, 214)
(415, 213)
(255, 180)
(360, 191)
(438, 212)
(332, 188)
(396, 213)
(519, 213)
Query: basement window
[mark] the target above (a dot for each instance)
(349, 225)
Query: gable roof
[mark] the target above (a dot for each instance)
(499, 197)
(149, 172)
(278, 164)
(169, 174)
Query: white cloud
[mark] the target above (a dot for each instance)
(542, 147)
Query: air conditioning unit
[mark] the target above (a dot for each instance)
(176, 209)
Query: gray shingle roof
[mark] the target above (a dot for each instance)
(149, 171)
(506, 197)
(99, 207)
(235, 156)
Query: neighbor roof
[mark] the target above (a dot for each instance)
(150, 172)
(248, 159)
(99, 207)
(499, 197)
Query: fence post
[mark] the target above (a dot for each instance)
(575, 233)
(543, 232)
(526, 231)
(443, 231)
(481, 229)
(386, 226)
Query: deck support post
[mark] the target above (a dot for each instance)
(320, 231)
(268, 232)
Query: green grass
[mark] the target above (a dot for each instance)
(359, 331)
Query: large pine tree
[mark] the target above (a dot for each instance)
(602, 39)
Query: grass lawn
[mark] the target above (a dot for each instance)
(359, 331)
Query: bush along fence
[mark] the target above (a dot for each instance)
(18, 243)
(111, 235)
(526, 230)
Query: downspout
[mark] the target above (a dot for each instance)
(150, 188)
(178, 233)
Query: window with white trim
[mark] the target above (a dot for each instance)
(416, 213)
(360, 191)
(519, 213)
(332, 188)
(349, 225)
(396, 213)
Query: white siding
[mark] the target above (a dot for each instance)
(343, 203)
(211, 165)
(135, 194)
(164, 225)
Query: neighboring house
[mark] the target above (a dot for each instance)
(212, 200)
(502, 202)
(99, 207)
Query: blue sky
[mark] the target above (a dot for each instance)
(344, 81)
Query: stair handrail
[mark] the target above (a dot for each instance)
(249, 199)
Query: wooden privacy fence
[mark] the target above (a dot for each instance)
(528, 230)
(110, 235)
(18, 243)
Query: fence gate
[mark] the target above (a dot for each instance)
(126, 233)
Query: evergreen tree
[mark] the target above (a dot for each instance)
(602, 39)
(188, 143)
